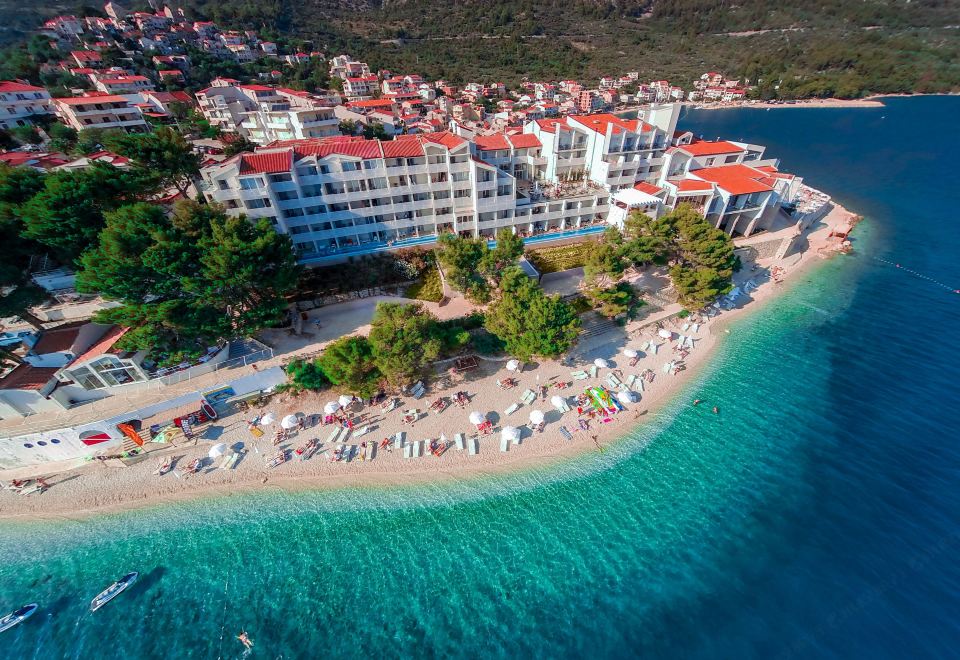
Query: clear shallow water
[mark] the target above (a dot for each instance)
(817, 516)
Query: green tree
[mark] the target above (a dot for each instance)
(528, 321)
(403, 341)
(237, 144)
(26, 134)
(612, 301)
(506, 253)
(67, 214)
(375, 130)
(163, 154)
(604, 260)
(347, 127)
(62, 138)
(306, 375)
(195, 279)
(349, 363)
(461, 259)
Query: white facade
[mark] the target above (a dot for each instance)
(18, 102)
(84, 112)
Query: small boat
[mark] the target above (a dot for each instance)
(113, 591)
(165, 466)
(17, 616)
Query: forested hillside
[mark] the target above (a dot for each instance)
(810, 48)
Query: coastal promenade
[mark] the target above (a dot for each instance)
(98, 486)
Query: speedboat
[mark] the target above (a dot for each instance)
(15, 617)
(113, 591)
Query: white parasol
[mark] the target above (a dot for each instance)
(477, 417)
(666, 334)
(513, 365)
(331, 408)
(558, 401)
(345, 400)
(289, 422)
(267, 419)
(217, 450)
(536, 417)
(511, 433)
(630, 353)
(600, 362)
(630, 397)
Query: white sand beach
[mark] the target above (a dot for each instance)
(102, 486)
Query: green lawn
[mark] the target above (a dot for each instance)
(428, 287)
(560, 257)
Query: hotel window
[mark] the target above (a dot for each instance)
(320, 226)
(460, 176)
(300, 230)
(463, 192)
(312, 191)
(280, 178)
(293, 213)
(258, 203)
(251, 183)
(371, 164)
(336, 208)
(348, 166)
(315, 210)
(285, 195)
(309, 170)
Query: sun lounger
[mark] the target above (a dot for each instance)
(667, 367)
(418, 448)
(333, 435)
(686, 326)
(696, 328)
(459, 440)
(512, 409)
(504, 443)
(593, 371)
(654, 347)
(565, 433)
(398, 440)
(408, 450)
(473, 445)
(371, 452)
(528, 397)
(342, 434)
(564, 408)
(631, 379)
(579, 375)
(613, 380)
(638, 384)
(363, 430)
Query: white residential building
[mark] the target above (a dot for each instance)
(122, 84)
(339, 197)
(18, 102)
(360, 88)
(107, 111)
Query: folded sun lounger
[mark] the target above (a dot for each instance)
(458, 439)
(474, 445)
(512, 409)
(333, 435)
(418, 448)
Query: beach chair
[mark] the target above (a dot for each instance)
(613, 381)
(528, 397)
(504, 443)
(371, 451)
(686, 326)
(654, 347)
(474, 445)
(459, 440)
(398, 440)
(667, 367)
(631, 379)
(512, 409)
(565, 433)
(696, 328)
(593, 371)
(418, 449)
(333, 435)
(408, 450)
(363, 430)
(638, 384)
(342, 434)
(578, 375)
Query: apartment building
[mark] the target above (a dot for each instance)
(360, 88)
(105, 111)
(122, 83)
(266, 114)
(19, 102)
(343, 66)
(338, 197)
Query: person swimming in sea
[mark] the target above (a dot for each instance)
(245, 639)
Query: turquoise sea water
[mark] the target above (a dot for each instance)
(816, 516)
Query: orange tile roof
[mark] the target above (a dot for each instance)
(600, 122)
(705, 148)
(445, 138)
(524, 141)
(550, 125)
(736, 179)
(13, 86)
(26, 377)
(497, 141)
(266, 163)
(692, 185)
(402, 148)
(648, 188)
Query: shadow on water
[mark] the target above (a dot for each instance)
(150, 579)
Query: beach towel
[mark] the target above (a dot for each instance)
(512, 409)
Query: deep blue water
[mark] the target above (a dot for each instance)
(817, 516)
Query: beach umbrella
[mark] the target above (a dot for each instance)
(513, 365)
(217, 450)
(629, 397)
(600, 362)
(666, 334)
(558, 401)
(331, 408)
(289, 422)
(536, 417)
(630, 353)
(477, 417)
(511, 433)
(345, 400)
(267, 419)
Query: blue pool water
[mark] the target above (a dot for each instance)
(818, 516)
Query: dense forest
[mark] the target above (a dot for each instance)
(813, 48)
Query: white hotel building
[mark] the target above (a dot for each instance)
(558, 179)
(19, 102)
